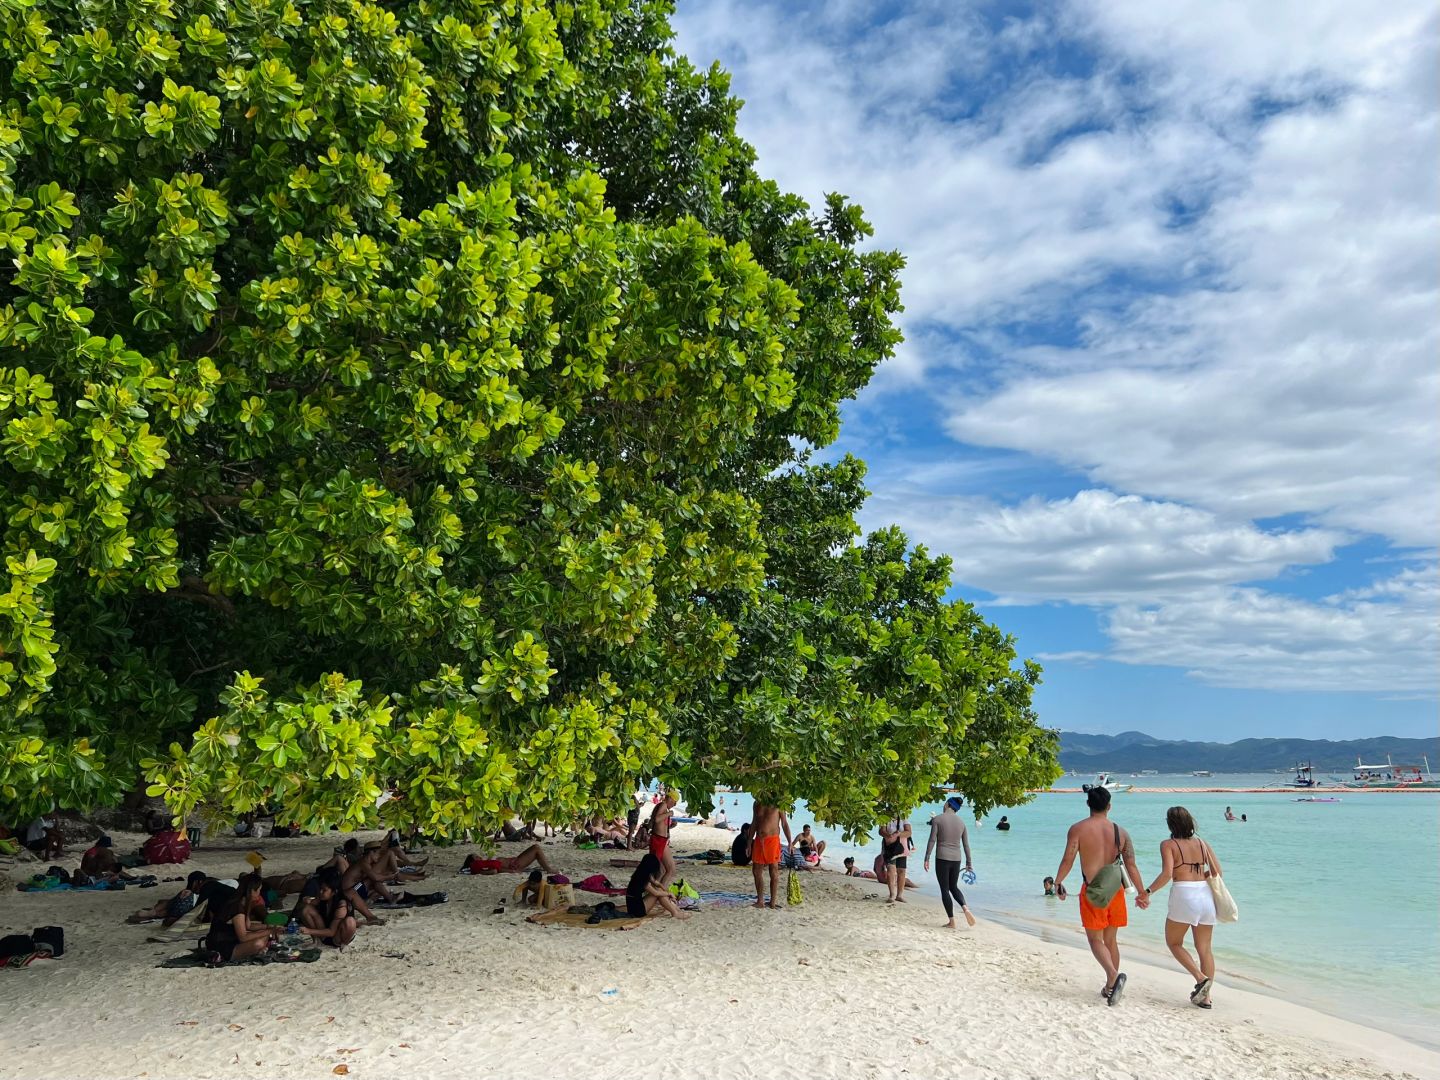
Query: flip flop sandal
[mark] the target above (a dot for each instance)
(1203, 1005)
(1201, 991)
(1117, 990)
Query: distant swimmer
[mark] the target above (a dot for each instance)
(1229, 814)
(1102, 847)
(1003, 825)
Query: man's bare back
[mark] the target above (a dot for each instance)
(1095, 837)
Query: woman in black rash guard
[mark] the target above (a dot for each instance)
(951, 843)
(645, 894)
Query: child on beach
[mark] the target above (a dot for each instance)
(850, 870)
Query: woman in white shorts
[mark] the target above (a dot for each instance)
(1192, 906)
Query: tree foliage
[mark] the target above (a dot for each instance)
(409, 394)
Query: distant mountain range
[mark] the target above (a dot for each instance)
(1131, 751)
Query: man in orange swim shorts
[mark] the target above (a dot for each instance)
(765, 851)
(1098, 842)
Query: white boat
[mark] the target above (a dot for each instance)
(1105, 780)
(1202, 772)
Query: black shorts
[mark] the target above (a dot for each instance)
(635, 907)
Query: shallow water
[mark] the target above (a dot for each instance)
(1339, 902)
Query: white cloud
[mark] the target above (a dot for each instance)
(1381, 639)
(1225, 217)
(1097, 547)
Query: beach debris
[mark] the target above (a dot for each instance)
(341, 1070)
(609, 994)
(237, 1027)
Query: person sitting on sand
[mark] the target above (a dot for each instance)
(177, 907)
(44, 838)
(234, 934)
(810, 849)
(532, 854)
(740, 849)
(646, 894)
(393, 868)
(878, 872)
(361, 880)
(99, 863)
(851, 871)
(528, 891)
(326, 916)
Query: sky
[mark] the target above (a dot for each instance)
(1169, 395)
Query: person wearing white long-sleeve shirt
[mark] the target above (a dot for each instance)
(950, 842)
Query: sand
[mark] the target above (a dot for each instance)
(842, 985)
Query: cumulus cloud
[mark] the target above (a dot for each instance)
(1381, 639)
(1184, 252)
(1098, 547)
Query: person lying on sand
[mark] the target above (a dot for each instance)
(177, 907)
(288, 884)
(326, 916)
(646, 894)
(532, 854)
(235, 935)
(851, 871)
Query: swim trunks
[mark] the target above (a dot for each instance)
(1093, 918)
(658, 845)
(766, 851)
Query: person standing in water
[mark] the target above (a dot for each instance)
(1184, 859)
(1099, 844)
(949, 840)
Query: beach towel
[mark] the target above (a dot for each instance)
(23, 959)
(199, 959)
(580, 919)
(599, 883)
(720, 898)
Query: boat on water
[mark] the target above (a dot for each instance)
(1316, 798)
(1105, 780)
(1304, 776)
(1149, 772)
(1392, 777)
(1202, 772)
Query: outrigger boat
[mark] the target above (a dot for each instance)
(1305, 776)
(1392, 777)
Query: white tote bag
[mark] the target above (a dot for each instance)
(1225, 907)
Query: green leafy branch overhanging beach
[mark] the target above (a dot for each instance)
(422, 396)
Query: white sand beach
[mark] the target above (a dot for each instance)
(842, 985)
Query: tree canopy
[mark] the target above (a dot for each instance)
(419, 395)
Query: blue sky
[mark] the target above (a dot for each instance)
(1169, 393)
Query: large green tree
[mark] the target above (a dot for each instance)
(410, 394)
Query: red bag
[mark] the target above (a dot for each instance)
(166, 847)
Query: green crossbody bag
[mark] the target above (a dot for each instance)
(1101, 889)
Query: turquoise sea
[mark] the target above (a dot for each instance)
(1339, 902)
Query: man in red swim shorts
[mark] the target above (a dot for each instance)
(765, 851)
(1099, 843)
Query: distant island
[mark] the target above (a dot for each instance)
(1132, 751)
